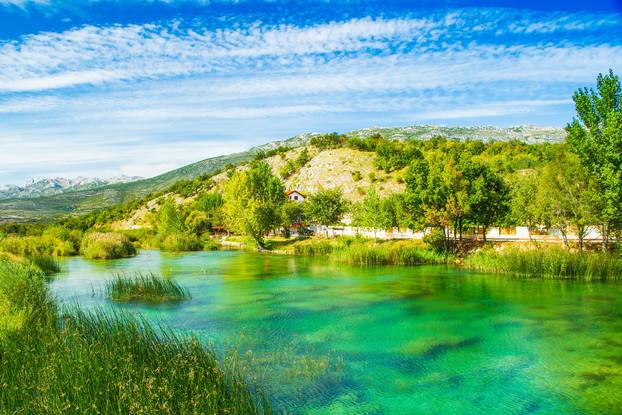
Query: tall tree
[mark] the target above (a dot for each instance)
(596, 137)
(252, 202)
(565, 198)
(488, 197)
(326, 207)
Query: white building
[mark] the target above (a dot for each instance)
(295, 195)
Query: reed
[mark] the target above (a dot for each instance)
(31, 246)
(387, 253)
(314, 247)
(359, 251)
(46, 263)
(106, 245)
(178, 242)
(145, 287)
(69, 361)
(551, 262)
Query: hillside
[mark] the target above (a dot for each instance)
(350, 169)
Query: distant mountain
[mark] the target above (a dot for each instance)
(526, 133)
(78, 200)
(43, 186)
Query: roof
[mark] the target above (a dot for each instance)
(294, 191)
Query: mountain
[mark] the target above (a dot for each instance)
(84, 200)
(42, 186)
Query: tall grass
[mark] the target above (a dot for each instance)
(32, 246)
(55, 362)
(358, 251)
(179, 242)
(145, 287)
(47, 264)
(314, 247)
(551, 262)
(388, 253)
(106, 245)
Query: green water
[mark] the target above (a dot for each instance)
(330, 339)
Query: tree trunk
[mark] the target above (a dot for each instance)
(460, 228)
(484, 233)
(605, 237)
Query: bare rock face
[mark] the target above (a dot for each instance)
(42, 186)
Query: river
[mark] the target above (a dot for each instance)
(333, 339)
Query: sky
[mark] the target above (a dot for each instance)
(100, 88)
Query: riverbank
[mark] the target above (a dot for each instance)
(525, 260)
(67, 360)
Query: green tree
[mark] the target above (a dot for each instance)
(210, 203)
(293, 214)
(169, 219)
(596, 137)
(326, 207)
(524, 209)
(488, 197)
(565, 198)
(253, 201)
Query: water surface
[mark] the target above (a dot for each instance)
(332, 339)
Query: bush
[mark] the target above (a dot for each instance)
(106, 245)
(179, 242)
(148, 288)
(32, 246)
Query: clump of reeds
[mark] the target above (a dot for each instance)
(145, 287)
(551, 262)
(314, 247)
(179, 242)
(387, 253)
(46, 263)
(42, 245)
(106, 245)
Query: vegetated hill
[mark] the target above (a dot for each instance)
(81, 201)
(351, 170)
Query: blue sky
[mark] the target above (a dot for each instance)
(139, 87)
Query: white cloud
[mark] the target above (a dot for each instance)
(141, 99)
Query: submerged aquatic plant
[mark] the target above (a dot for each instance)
(145, 287)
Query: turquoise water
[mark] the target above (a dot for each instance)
(332, 339)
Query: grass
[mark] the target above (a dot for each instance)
(47, 264)
(359, 251)
(547, 262)
(33, 246)
(149, 288)
(179, 242)
(388, 253)
(106, 245)
(68, 361)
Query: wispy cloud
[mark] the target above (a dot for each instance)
(186, 91)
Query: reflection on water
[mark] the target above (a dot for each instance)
(335, 339)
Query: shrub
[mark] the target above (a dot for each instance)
(179, 242)
(106, 245)
(149, 288)
(32, 246)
